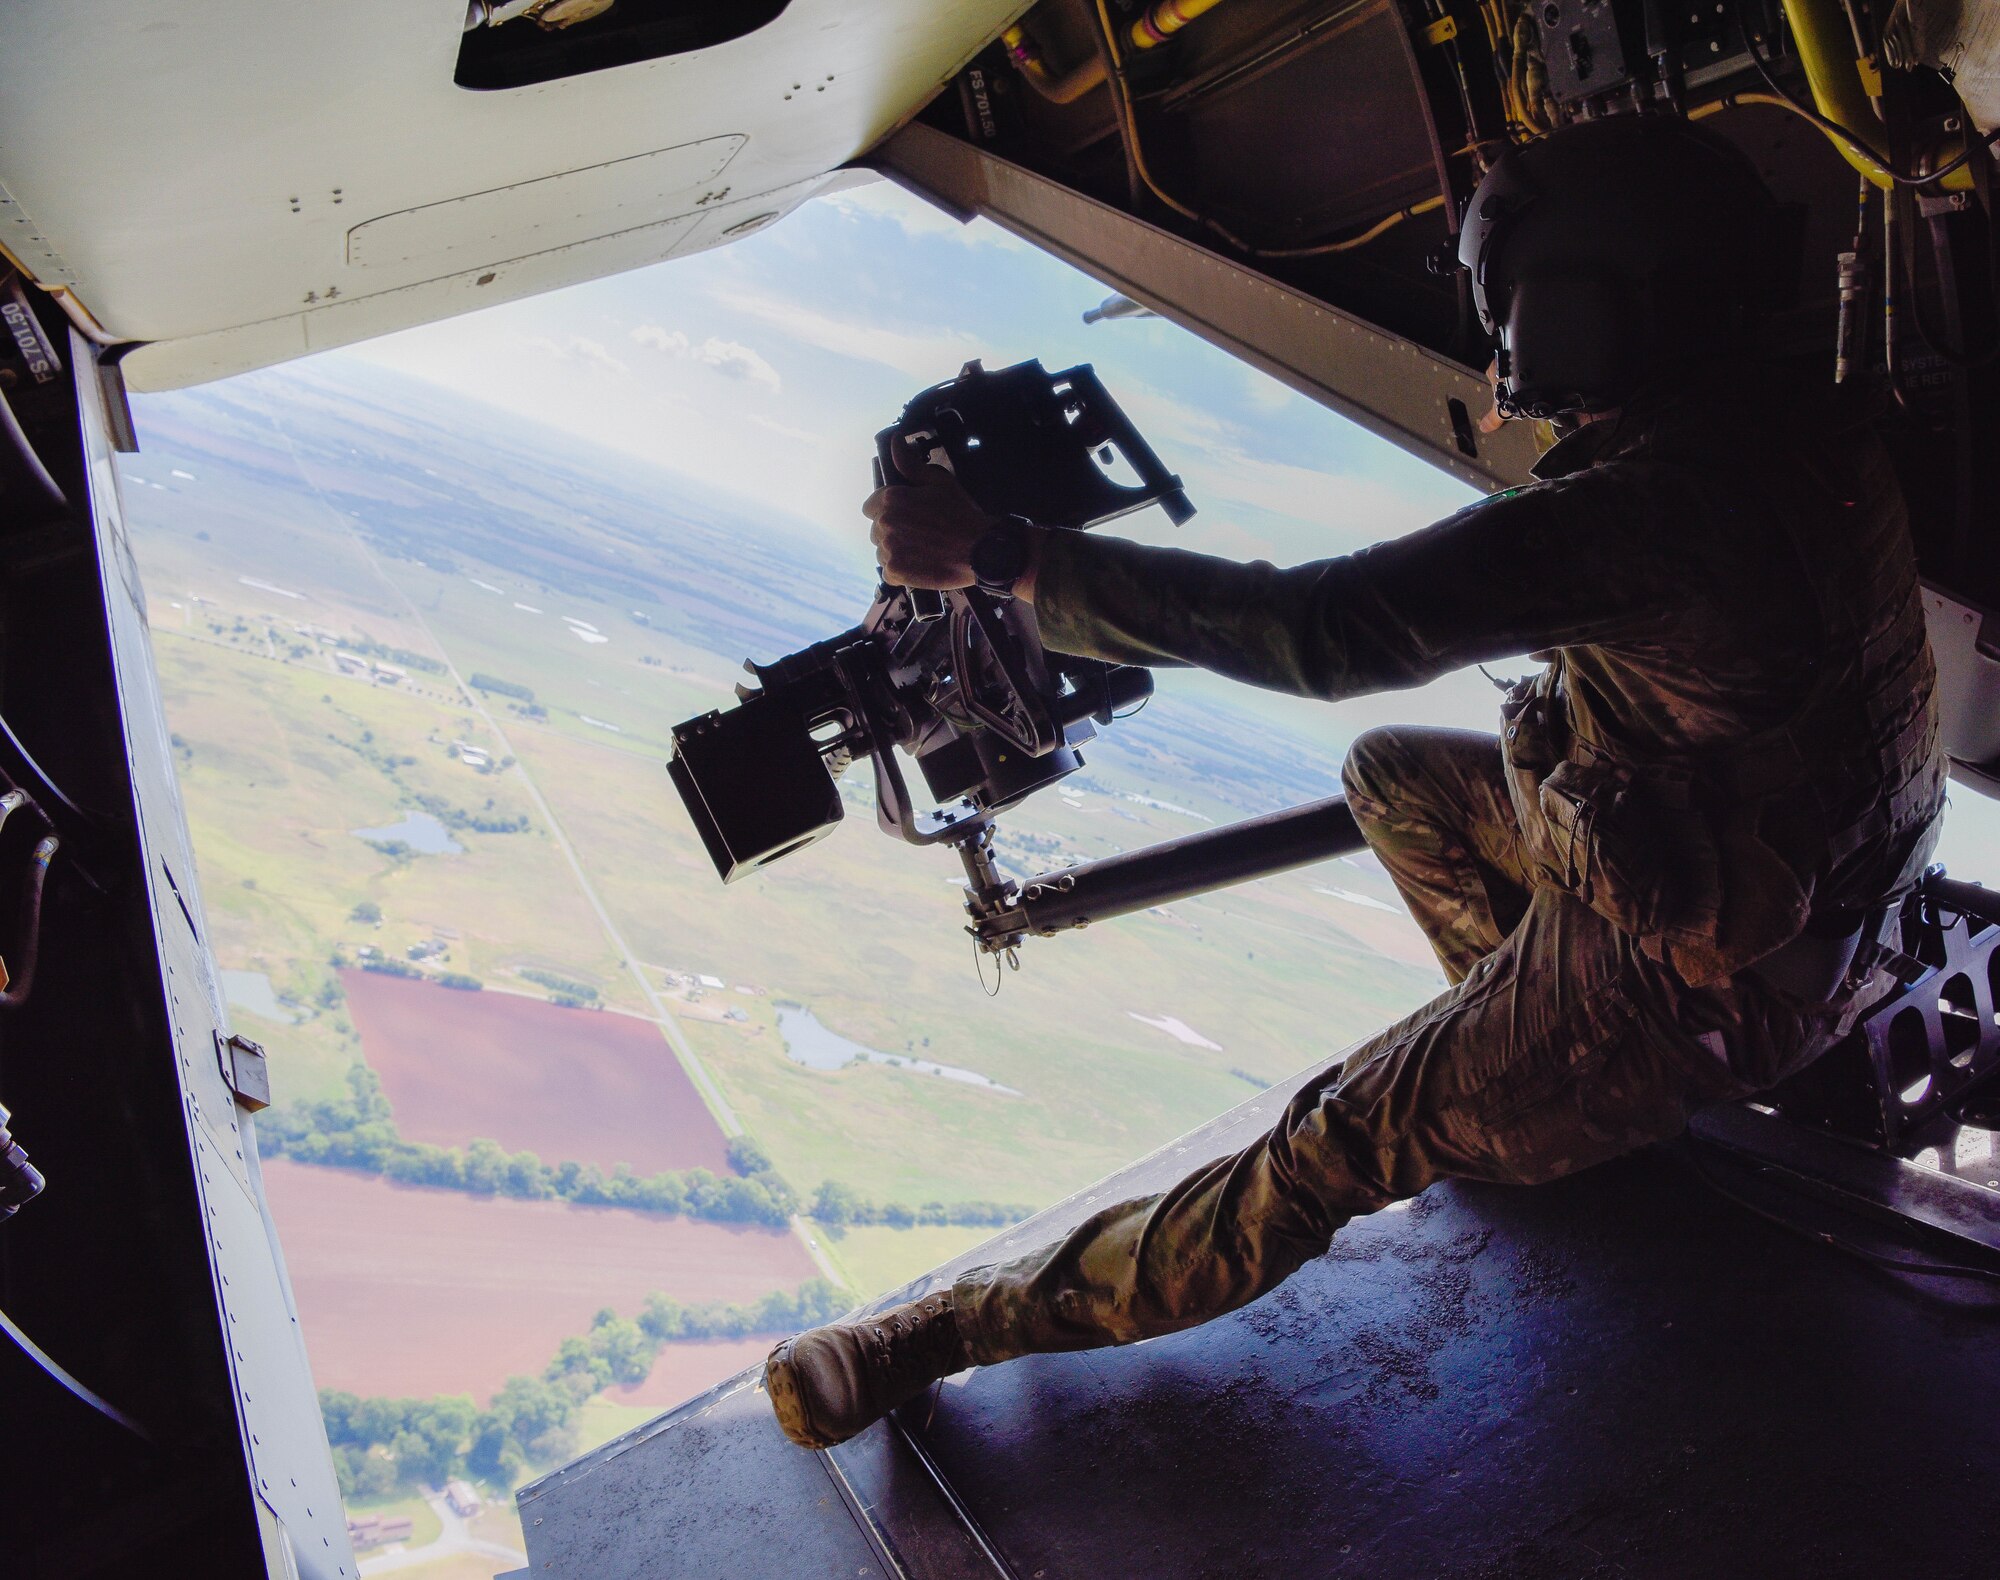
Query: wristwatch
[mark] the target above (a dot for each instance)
(1000, 555)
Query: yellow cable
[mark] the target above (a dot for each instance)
(1128, 124)
(1871, 168)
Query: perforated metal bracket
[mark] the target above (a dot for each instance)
(246, 1070)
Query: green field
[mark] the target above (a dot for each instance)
(875, 1260)
(313, 519)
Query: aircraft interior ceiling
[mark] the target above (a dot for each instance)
(1657, 1368)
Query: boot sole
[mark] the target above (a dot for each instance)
(788, 1402)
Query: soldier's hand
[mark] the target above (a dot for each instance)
(1490, 420)
(925, 526)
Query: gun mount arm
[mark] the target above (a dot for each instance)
(1134, 880)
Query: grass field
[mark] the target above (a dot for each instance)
(874, 1260)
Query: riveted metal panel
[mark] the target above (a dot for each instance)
(1390, 386)
(277, 1409)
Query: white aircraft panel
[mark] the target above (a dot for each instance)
(201, 167)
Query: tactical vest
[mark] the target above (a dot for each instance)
(1719, 860)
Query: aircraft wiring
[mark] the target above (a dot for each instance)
(23, 758)
(55, 1372)
(1128, 125)
(38, 474)
(1851, 140)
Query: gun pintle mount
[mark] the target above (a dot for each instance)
(960, 681)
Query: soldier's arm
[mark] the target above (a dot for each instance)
(1546, 566)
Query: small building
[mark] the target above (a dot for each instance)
(708, 981)
(460, 1496)
(378, 1530)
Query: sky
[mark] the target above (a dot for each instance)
(766, 367)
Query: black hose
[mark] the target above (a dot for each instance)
(1973, 144)
(50, 791)
(95, 1400)
(22, 981)
(31, 463)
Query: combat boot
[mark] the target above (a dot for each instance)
(827, 1384)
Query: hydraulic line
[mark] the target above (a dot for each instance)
(21, 981)
(38, 474)
(23, 761)
(1065, 89)
(96, 1401)
(1121, 95)
(1153, 28)
(1161, 22)
(1843, 104)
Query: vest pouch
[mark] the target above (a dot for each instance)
(1531, 739)
(1612, 848)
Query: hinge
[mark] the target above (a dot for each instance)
(246, 1070)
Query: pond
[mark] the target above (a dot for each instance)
(252, 990)
(419, 830)
(811, 1043)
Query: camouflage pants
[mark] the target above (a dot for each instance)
(1560, 1044)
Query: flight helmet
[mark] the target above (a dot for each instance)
(1614, 251)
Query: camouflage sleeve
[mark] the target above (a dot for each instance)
(1583, 559)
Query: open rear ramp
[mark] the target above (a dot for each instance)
(1625, 1374)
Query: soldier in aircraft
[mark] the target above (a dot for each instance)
(1662, 886)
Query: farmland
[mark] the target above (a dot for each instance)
(408, 1291)
(566, 1083)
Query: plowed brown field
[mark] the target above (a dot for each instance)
(408, 1291)
(563, 1083)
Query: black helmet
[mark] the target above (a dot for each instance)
(1610, 251)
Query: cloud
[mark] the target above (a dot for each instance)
(929, 356)
(884, 200)
(731, 358)
(1305, 511)
(1264, 392)
(578, 348)
(785, 430)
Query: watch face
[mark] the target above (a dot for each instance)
(999, 557)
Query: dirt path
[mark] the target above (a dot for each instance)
(455, 1538)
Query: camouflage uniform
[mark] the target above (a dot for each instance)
(1729, 615)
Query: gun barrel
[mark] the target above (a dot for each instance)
(1135, 880)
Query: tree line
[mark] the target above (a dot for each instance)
(389, 966)
(358, 1132)
(382, 1446)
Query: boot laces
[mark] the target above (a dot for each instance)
(915, 1336)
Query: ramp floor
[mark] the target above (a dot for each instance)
(1622, 1375)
